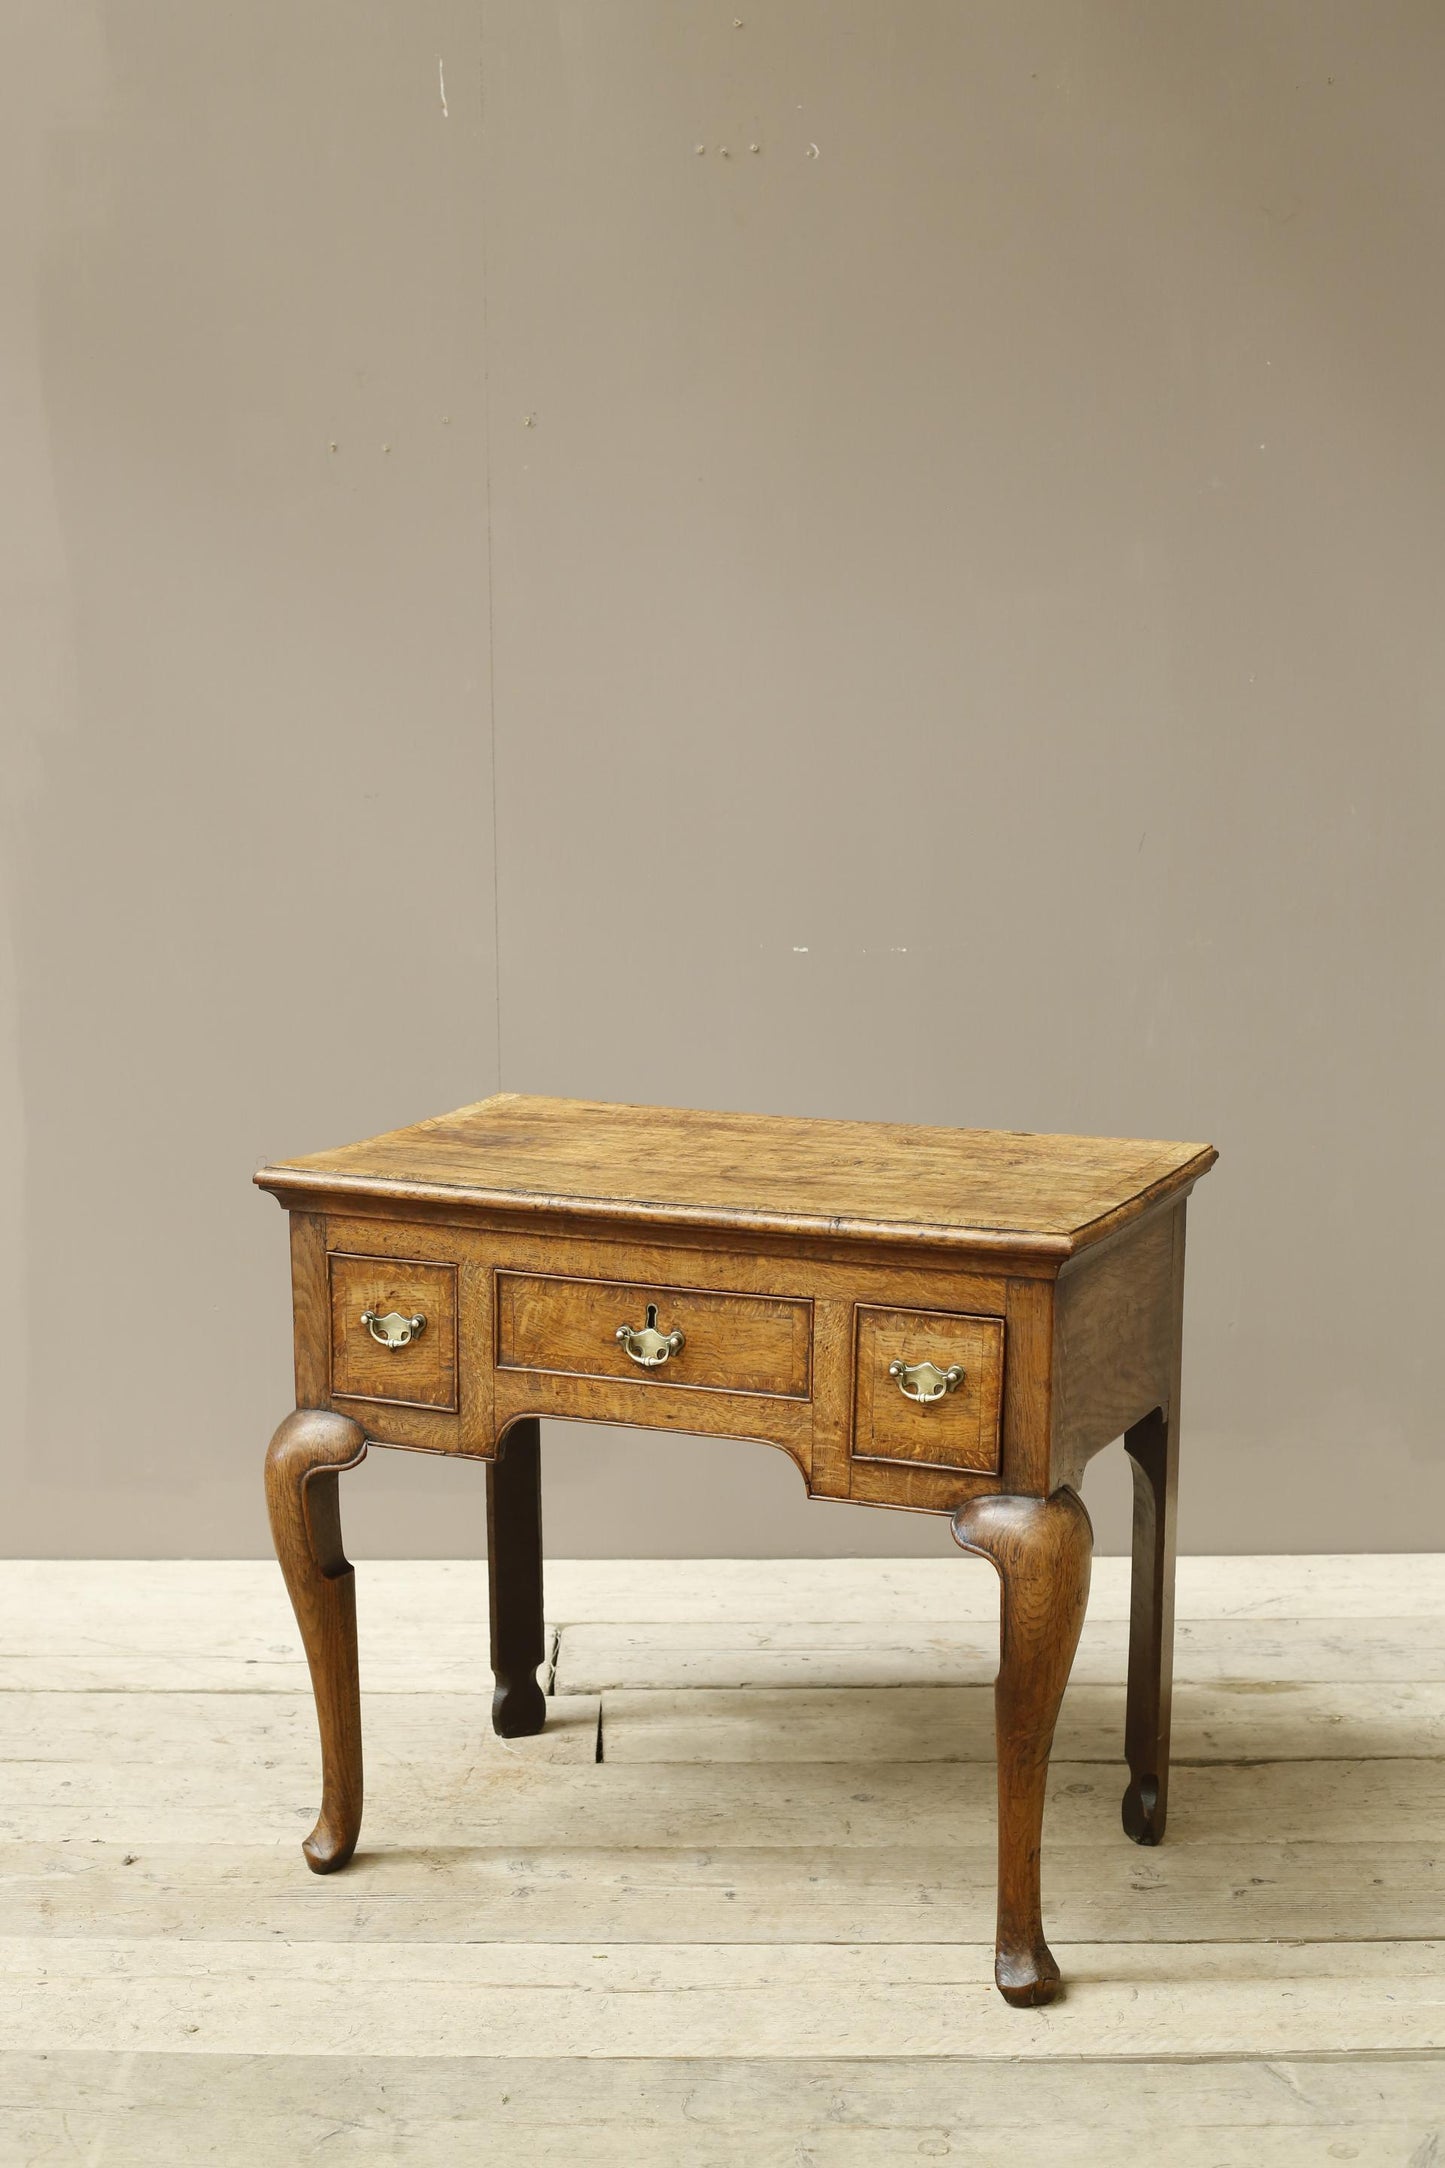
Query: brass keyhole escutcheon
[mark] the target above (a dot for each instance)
(647, 1345)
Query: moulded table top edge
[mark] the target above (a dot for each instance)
(391, 1168)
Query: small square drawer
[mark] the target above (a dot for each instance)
(393, 1331)
(929, 1386)
(723, 1343)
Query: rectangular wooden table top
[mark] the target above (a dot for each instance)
(986, 1189)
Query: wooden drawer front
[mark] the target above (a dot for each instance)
(959, 1431)
(423, 1374)
(732, 1343)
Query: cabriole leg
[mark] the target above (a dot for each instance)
(514, 1571)
(307, 1454)
(1041, 1548)
(1153, 1448)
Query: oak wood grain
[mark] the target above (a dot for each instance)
(423, 1373)
(311, 1307)
(1116, 1329)
(1028, 1399)
(989, 1190)
(959, 1431)
(303, 1463)
(1041, 1548)
(797, 1260)
(732, 1342)
(781, 1291)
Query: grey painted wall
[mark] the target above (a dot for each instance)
(954, 589)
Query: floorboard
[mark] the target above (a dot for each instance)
(757, 1931)
(1199, 1890)
(1208, 1652)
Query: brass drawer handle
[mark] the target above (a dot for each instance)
(925, 1382)
(646, 1345)
(393, 1330)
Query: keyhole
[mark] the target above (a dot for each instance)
(651, 1321)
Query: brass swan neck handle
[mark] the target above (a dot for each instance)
(647, 1345)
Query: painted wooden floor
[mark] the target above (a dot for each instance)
(757, 1929)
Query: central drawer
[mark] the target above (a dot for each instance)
(729, 1343)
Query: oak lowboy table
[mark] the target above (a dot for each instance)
(946, 1320)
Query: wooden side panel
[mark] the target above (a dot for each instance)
(831, 1470)
(476, 1329)
(1115, 1338)
(1027, 1387)
(731, 1343)
(311, 1309)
